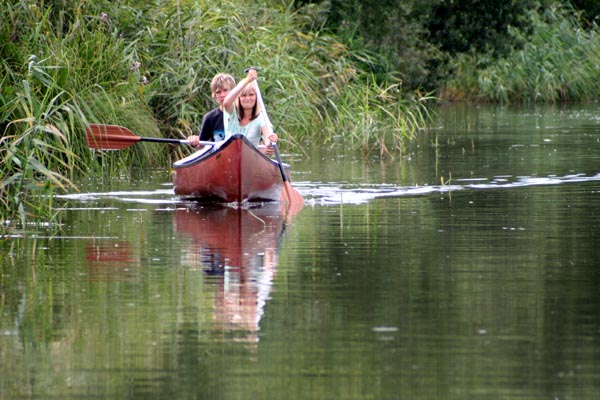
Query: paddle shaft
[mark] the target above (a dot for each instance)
(289, 194)
(279, 162)
(263, 111)
(163, 140)
(173, 141)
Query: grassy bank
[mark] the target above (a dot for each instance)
(147, 66)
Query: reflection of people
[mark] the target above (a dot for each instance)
(110, 260)
(238, 248)
(212, 124)
(241, 114)
(242, 295)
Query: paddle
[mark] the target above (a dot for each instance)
(114, 137)
(289, 194)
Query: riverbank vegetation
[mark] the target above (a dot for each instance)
(148, 65)
(558, 62)
(485, 50)
(365, 73)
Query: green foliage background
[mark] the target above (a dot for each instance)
(482, 50)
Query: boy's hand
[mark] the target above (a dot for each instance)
(193, 140)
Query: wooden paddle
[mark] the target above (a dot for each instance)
(289, 194)
(114, 137)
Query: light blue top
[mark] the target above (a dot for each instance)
(252, 130)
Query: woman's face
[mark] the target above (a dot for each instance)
(248, 98)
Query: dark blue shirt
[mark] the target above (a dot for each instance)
(212, 126)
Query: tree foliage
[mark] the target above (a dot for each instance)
(590, 10)
(476, 25)
(417, 39)
(558, 63)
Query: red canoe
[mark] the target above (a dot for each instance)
(236, 172)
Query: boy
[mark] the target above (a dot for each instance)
(212, 124)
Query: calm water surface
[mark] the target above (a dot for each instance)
(468, 269)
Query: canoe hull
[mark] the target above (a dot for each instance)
(236, 172)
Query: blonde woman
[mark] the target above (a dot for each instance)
(241, 114)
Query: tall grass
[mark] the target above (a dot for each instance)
(53, 84)
(147, 66)
(559, 61)
(35, 152)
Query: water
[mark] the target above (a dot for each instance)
(466, 269)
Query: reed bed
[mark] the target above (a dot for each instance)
(559, 62)
(147, 65)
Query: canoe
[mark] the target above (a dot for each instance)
(236, 172)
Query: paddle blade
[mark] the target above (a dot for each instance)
(291, 196)
(109, 137)
(290, 202)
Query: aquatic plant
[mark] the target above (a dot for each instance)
(45, 102)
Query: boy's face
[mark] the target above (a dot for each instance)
(221, 93)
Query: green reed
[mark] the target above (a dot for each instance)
(44, 108)
(558, 62)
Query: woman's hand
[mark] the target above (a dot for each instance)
(268, 149)
(252, 75)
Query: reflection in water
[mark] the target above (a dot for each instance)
(392, 286)
(238, 249)
(110, 260)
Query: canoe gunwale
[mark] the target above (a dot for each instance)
(208, 152)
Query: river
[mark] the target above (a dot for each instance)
(467, 268)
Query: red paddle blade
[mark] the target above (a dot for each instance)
(291, 202)
(291, 196)
(109, 137)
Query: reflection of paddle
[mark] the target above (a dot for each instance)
(289, 194)
(114, 137)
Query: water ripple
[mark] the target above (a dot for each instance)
(327, 194)
(333, 193)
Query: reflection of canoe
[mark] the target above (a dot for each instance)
(231, 236)
(236, 172)
(111, 260)
(239, 249)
